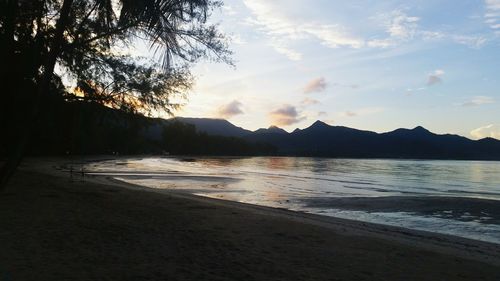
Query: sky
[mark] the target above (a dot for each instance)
(367, 64)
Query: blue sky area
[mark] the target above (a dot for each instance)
(373, 65)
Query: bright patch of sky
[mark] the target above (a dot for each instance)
(367, 64)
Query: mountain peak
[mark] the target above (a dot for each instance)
(275, 129)
(319, 124)
(214, 126)
(271, 129)
(489, 139)
(421, 130)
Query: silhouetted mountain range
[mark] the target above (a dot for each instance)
(214, 127)
(323, 140)
(86, 128)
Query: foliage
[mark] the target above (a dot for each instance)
(88, 55)
(102, 130)
(73, 50)
(183, 139)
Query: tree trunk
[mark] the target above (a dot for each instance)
(10, 77)
(17, 152)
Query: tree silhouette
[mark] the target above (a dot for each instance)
(50, 46)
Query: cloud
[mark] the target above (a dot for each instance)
(402, 26)
(432, 35)
(281, 29)
(492, 131)
(381, 43)
(493, 5)
(479, 100)
(322, 114)
(228, 10)
(435, 77)
(472, 41)
(332, 35)
(316, 85)
(309, 101)
(229, 110)
(362, 112)
(350, 114)
(352, 86)
(492, 14)
(289, 53)
(285, 115)
(410, 91)
(236, 38)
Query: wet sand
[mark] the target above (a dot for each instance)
(457, 208)
(57, 229)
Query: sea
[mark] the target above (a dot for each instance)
(460, 198)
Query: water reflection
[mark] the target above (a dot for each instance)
(276, 163)
(285, 182)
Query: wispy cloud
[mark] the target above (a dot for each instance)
(435, 77)
(410, 91)
(479, 100)
(399, 27)
(362, 112)
(316, 85)
(236, 39)
(349, 114)
(333, 35)
(472, 41)
(229, 110)
(281, 48)
(282, 29)
(492, 131)
(285, 115)
(381, 43)
(402, 26)
(228, 10)
(352, 86)
(492, 15)
(309, 101)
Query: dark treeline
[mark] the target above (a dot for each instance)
(181, 138)
(52, 52)
(81, 128)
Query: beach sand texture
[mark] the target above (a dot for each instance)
(100, 229)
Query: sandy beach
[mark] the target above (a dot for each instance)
(55, 228)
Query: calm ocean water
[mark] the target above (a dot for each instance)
(453, 197)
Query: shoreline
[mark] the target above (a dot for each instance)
(463, 247)
(481, 250)
(230, 231)
(444, 243)
(470, 217)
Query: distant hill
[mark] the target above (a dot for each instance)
(85, 128)
(80, 128)
(270, 130)
(214, 127)
(323, 140)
